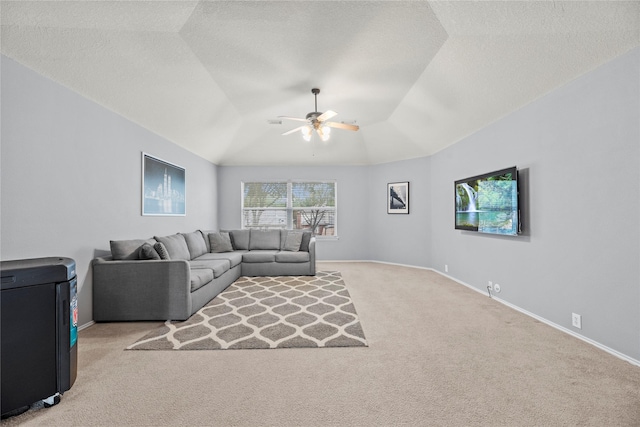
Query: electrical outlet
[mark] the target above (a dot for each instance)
(446, 268)
(576, 320)
(496, 288)
(490, 285)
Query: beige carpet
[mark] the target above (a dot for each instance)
(439, 355)
(267, 312)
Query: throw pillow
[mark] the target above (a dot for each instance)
(161, 250)
(220, 242)
(147, 252)
(127, 249)
(176, 246)
(306, 238)
(292, 242)
(205, 234)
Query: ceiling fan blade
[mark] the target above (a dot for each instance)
(326, 115)
(293, 118)
(293, 130)
(344, 126)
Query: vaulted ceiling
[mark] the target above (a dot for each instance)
(416, 76)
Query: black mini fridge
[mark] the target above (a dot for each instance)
(39, 331)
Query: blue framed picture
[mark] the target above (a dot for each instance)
(163, 187)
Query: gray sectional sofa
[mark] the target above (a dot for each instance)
(172, 277)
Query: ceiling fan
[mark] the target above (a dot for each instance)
(318, 122)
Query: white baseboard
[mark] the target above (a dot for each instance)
(572, 333)
(521, 310)
(377, 262)
(548, 322)
(86, 325)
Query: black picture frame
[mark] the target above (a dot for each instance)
(398, 197)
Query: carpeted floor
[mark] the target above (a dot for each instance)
(267, 312)
(438, 354)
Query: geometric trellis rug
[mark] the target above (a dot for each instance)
(267, 312)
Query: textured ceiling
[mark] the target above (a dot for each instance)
(416, 76)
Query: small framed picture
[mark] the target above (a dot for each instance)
(398, 198)
(163, 187)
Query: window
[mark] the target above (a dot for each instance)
(294, 205)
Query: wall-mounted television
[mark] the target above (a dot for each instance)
(488, 203)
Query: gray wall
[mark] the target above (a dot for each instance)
(71, 177)
(400, 238)
(366, 231)
(353, 203)
(578, 149)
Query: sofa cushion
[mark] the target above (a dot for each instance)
(176, 246)
(195, 244)
(127, 249)
(218, 266)
(259, 256)
(220, 242)
(240, 239)
(292, 241)
(200, 277)
(235, 257)
(147, 251)
(264, 239)
(161, 250)
(289, 256)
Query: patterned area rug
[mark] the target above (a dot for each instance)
(267, 312)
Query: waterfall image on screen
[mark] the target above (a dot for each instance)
(488, 203)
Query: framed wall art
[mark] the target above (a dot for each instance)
(398, 198)
(163, 187)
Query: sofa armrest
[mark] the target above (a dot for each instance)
(140, 290)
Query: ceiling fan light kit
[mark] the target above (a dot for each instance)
(318, 121)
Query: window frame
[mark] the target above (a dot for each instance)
(290, 209)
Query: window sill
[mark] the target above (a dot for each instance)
(327, 238)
